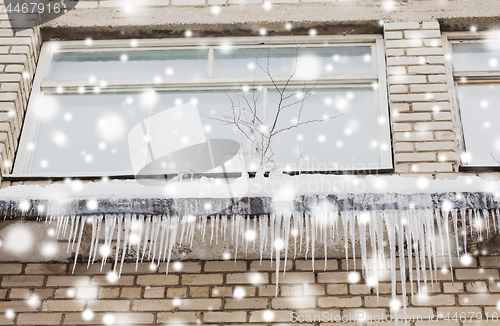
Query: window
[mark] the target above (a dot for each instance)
(91, 101)
(474, 74)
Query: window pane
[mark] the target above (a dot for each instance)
(86, 133)
(480, 113)
(212, 107)
(310, 62)
(349, 140)
(129, 65)
(482, 56)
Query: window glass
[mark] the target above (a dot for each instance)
(214, 109)
(86, 133)
(480, 111)
(103, 65)
(342, 134)
(483, 56)
(307, 62)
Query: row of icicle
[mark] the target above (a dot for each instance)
(425, 232)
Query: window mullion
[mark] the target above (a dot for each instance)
(211, 62)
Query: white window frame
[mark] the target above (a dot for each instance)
(41, 84)
(454, 78)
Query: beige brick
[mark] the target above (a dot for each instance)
(398, 89)
(433, 42)
(294, 277)
(431, 106)
(197, 292)
(261, 316)
(357, 289)
(434, 300)
(87, 293)
(424, 126)
(178, 317)
(425, 51)
(401, 26)
(478, 299)
(489, 262)
(437, 78)
(247, 278)
(336, 289)
(200, 304)
(314, 289)
(403, 61)
(406, 79)
(430, 25)
(474, 274)
(246, 303)
(403, 147)
(182, 267)
(429, 323)
(319, 265)
(393, 35)
(401, 126)
(201, 279)
(19, 293)
(415, 157)
(154, 292)
(427, 69)
(22, 280)
(413, 136)
(339, 302)
(412, 43)
(411, 117)
(267, 291)
(225, 266)
(476, 287)
(178, 292)
(290, 290)
(120, 318)
(46, 269)
(394, 70)
(39, 318)
(292, 303)
(335, 277)
(442, 311)
(429, 88)
(123, 280)
(65, 293)
(67, 281)
(394, 52)
(225, 317)
(112, 293)
(442, 116)
(453, 287)
(63, 305)
(419, 97)
(10, 269)
(435, 146)
(109, 305)
(17, 306)
(269, 266)
(84, 269)
(157, 280)
(422, 34)
(439, 59)
(153, 305)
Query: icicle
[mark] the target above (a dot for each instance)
(146, 237)
(464, 228)
(82, 225)
(125, 241)
(454, 217)
(118, 236)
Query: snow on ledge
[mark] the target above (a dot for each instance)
(279, 187)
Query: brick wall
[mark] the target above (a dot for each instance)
(228, 292)
(422, 125)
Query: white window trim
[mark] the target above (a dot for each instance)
(452, 78)
(41, 85)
